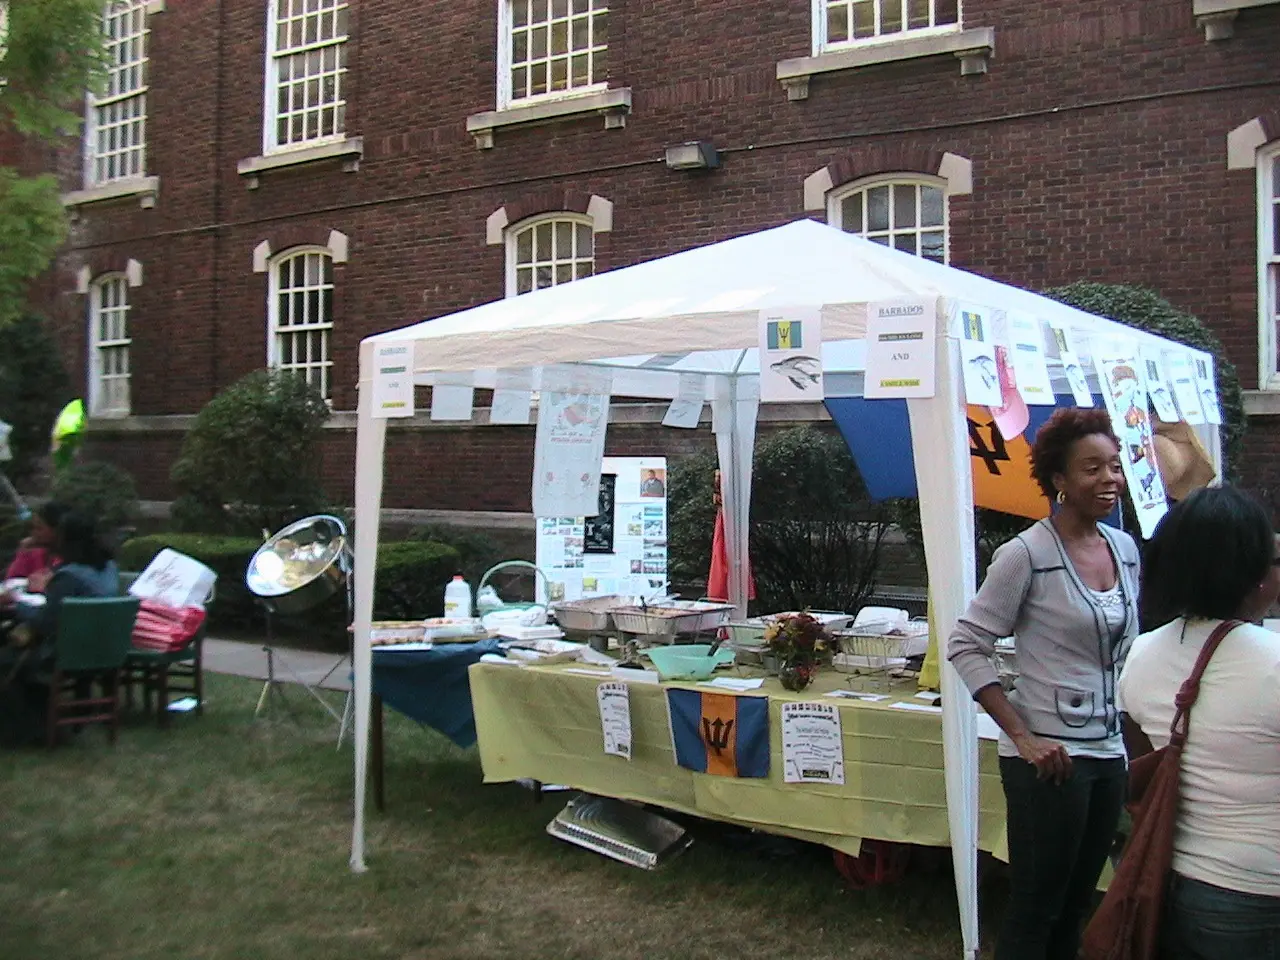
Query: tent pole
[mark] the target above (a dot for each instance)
(940, 442)
(371, 435)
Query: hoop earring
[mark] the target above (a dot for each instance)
(1061, 498)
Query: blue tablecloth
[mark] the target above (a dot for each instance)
(431, 685)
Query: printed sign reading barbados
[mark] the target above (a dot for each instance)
(720, 734)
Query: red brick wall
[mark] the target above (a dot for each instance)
(1097, 141)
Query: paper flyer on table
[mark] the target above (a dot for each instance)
(978, 356)
(1186, 391)
(512, 397)
(1207, 380)
(573, 415)
(1072, 365)
(812, 743)
(615, 718)
(791, 355)
(393, 380)
(1125, 397)
(686, 409)
(901, 348)
(1026, 340)
(1159, 389)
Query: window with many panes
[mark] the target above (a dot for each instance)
(300, 316)
(1269, 261)
(906, 214)
(549, 252)
(306, 72)
(842, 22)
(552, 47)
(116, 134)
(109, 343)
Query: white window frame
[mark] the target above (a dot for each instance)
(560, 216)
(271, 87)
(836, 198)
(506, 96)
(97, 377)
(1268, 185)
(95, 104)
(821, 44)
(324, 326)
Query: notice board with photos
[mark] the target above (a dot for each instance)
(623, 549)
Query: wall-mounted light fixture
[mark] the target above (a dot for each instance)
(695, 155)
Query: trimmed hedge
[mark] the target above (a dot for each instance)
(411, 577)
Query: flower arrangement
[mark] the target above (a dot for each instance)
(799, 641)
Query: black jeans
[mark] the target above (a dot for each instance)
(1205, 922)
(1059, 839)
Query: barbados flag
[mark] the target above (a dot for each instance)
(719, 733)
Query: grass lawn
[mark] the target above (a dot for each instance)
(225, 838)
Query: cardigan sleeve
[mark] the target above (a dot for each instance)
(992, 615)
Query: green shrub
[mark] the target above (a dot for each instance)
(691, 517)
(101, 490)
(411, 579)
(251, 460)
(477, 551)
(33, 388)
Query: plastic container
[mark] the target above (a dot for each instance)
(688, 661)
(457, 599)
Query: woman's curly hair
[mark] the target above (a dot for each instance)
(1054, 440)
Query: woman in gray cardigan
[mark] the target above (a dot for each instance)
(1067, 590)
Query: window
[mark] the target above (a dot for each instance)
(116, 137)
(908, 215)
(549, 252)
(553, 47)
(300, 316)
(1269, 259)
(109, 347)
(306, 73)
(842, 22)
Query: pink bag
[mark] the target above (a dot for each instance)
(165, 629)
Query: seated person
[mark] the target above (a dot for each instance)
(36, 558)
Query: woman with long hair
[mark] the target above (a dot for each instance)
(1067, 589)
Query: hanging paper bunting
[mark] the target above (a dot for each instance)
(1207, 381)
(1072, 366)
(1026, 337)
(1159, 389)
(1185, 389)
(1125, 397)
(978, 357)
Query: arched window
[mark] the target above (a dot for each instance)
(904, 212)
(300, 315)
(109, 342)
(548, 251)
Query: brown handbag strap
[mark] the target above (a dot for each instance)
(1189, 692)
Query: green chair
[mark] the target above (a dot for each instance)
(94, 637)
(161, 674)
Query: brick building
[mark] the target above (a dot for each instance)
(269, 181)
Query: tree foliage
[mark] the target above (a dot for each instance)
(33, 388)
(251, 461)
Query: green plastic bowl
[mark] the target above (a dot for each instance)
(687, 661)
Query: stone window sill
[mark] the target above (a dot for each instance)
(146, 189)
(349, 150)
(973, 48)
(613, 105)
(1262, 403)
(1217, 18)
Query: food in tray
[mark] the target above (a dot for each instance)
(387, 633)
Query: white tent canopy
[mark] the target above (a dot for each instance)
(700, 309)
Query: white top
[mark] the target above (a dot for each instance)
(1228, 831)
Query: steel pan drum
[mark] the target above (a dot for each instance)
(301, 566)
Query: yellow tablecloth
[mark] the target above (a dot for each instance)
(543, 723)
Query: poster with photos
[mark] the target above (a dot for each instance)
(620, 551)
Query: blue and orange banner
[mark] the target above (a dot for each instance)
(720, 734)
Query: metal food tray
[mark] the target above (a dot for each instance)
(671, 618)
(877, 651)
(586, 616)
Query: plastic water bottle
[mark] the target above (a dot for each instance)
(457, 598)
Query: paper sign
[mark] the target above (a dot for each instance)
(573, 415)
(393, 380)
(1125, 396)
(1159, 389)
(1207, 381)
(791, 355)
(1072, 367)
(512, 397)
(978, 356)
(615, 718)
(175, 580)
(1186, 391)
(1011, 417)
(901, 349)
(1026, 340)
(812, 745)
(686, 409)
(451, 401)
